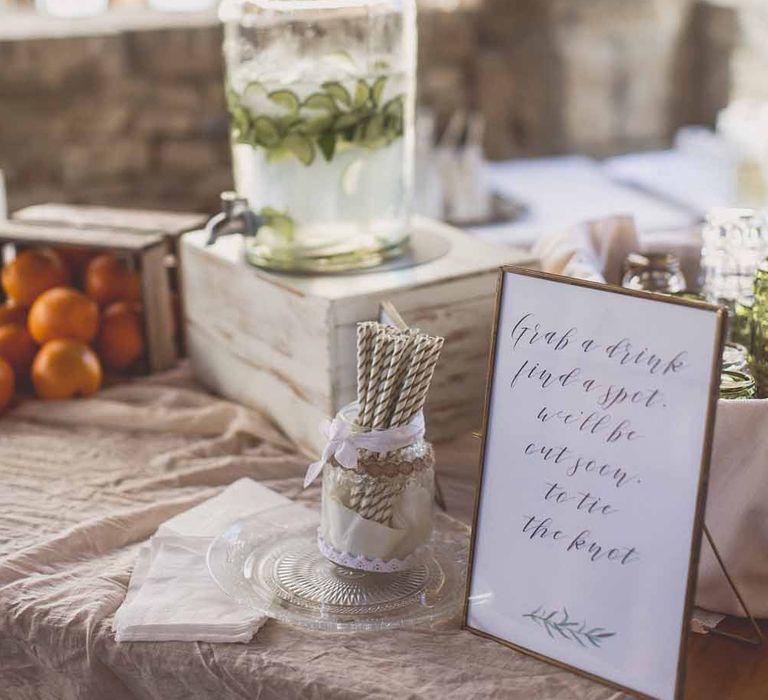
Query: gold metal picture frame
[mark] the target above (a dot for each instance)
(698, 520)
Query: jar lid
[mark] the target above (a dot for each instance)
(735, 357)
(734, 384)
(732, 215)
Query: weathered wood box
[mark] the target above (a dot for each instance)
(286, 345)
(147, 240)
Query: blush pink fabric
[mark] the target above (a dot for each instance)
(83, 483)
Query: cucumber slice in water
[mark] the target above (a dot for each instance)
(338, 92)
(377, 91)
(361, 93)
(327, 145)
(394, 107)
(278, 221)
(301, 147)
(254, 89)
(374, 130)
(265, 131)
(321, 102)
(346, 120)
(285, 99)
(315, 125)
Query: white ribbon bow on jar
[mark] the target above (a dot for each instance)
(344, 440)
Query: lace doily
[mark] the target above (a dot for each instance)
(360, 561)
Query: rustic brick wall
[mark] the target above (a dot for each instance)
(135, 116)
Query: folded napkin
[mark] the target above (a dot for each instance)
(596, 250)
(171, 595)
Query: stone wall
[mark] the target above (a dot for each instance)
(123, 118)
(132, 113)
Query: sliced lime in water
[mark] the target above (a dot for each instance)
(265, 131)
(361, 93)
(285, 99)
(338, 92)
(301, 147)
(377, 91)
(322, 102)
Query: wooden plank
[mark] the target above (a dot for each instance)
(100, 239)
(87, 216)
(158, 309)
(257, 320)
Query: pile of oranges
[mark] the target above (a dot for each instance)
(69, 314)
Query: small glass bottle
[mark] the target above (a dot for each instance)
(735, 241)
(653, 272)
(736, 385)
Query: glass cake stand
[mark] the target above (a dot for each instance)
(279, 572)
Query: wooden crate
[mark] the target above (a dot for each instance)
(148, 253)
(167, 223)
(286, 344)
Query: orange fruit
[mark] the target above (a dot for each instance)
(108, 279)
(17, 347)
(65, 368)
(63, 312)
(7, 384)
(11, 312)
(32, 272)
(120, 342)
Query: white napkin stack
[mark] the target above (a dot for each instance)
(171, 595)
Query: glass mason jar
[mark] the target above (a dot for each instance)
(653, 272)
(321, 99)
(736, 385)
(759, 347)
(378, 517)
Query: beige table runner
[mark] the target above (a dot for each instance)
(82, 483)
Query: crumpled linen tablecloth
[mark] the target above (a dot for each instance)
(83, 482)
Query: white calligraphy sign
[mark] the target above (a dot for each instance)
(597, 436)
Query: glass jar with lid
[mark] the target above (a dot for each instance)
(735, 357)
(321, 101)
(653, 272)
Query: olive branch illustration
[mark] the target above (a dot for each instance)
(560, 623)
